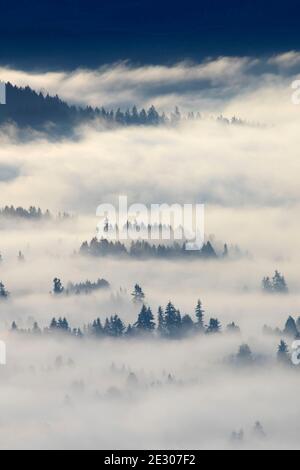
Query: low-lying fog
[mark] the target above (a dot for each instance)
(132, 393)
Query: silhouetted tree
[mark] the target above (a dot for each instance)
(58, 287)
(161, 324)
(258, 431)
(283, 353)
(53, 324)
(279, 284)
(114, 327)
(145, 321)
(244, 356)
(36, 329)
(187, 325)
(3, 292)
(200, 316)
(225, 251)
(233, 328)
(267, 285)
(172, 321)
(291, 328)
(138, 295)
(97, 328)
(87, 287)
(214, 326)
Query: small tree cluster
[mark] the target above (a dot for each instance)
(276, 285)
(3, 292)
(170, 324)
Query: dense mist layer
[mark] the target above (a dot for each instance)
(65, 392)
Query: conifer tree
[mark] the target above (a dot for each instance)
(161, 323)
(283, 353)
(138, 295)
(145, 321)
(279, 284)
(291, 328)
(172, 320)
(214, 326)
(3, 292)
(200, 315)
(267, 285)
(58, 287)
(187, 325)
(244, 356)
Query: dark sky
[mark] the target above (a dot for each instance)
(70, 33)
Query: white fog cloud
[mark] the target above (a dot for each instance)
(247, 176)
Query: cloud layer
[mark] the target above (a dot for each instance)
(198, 87)
(247, 176)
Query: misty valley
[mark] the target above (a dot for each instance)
(91, 338)
(151, 342)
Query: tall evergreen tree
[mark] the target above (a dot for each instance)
(62, 324)
(279, 284)
(114, 327)
(267, 285)
(161, 323)
(283, 353)
(244, 356)
(53, 324)
(145, 321)
(97, 328)
(226, 251)
(291, 328)
(200, 315)
(138, 295)
(172, 320)
(187, 325)
(3, 292)
(276, 285)
(36, 329)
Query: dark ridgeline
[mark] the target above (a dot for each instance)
(144, 250)
(28, 109)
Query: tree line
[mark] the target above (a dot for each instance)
(32, 213)
(28, 108)
(143, 249)
(169, 323)
(275, 285)
(86, 287)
